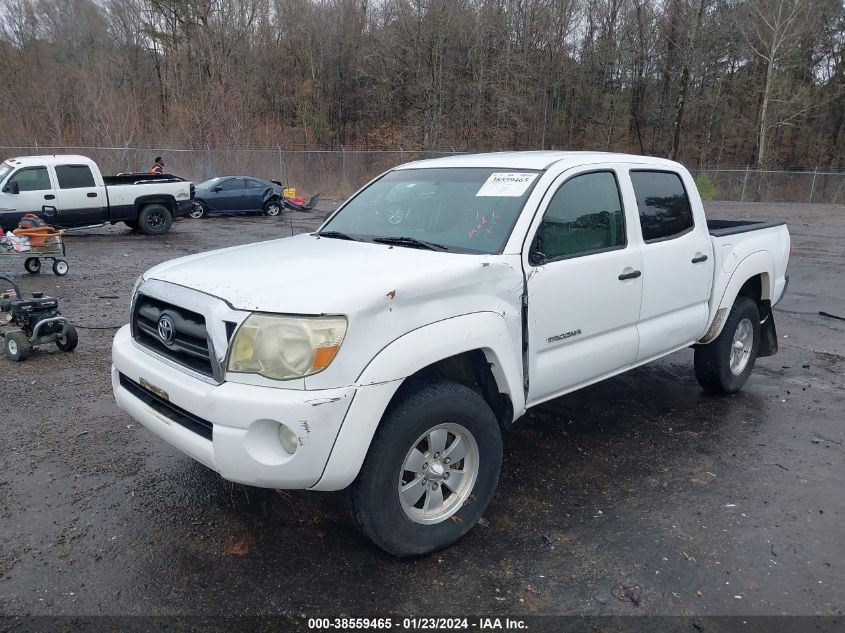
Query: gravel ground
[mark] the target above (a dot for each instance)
(699, 505)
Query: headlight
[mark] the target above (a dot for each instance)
(283, 347)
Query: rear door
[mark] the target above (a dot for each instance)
(584, 284)
(36, 193)
(254, 198)
(677, 263)
(81, 200)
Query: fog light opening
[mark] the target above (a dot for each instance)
(288, 439)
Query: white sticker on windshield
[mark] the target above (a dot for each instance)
(506, 184)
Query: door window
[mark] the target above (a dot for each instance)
(232, 184)
(663, 205)
(254, 184)
(584, 216)
(32, 179)
(74, 176)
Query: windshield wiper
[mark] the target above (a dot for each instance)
(411, 241)
(335, 234)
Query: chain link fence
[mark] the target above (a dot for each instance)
(338, 173)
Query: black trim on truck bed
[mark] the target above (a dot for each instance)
(140, 179)
(720, 228)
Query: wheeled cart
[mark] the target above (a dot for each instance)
(42, 247)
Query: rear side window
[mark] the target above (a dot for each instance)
(32, 179)
(662, 203)
(584, 216)
(254, 184)
(74, 176)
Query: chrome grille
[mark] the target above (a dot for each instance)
(184, 340)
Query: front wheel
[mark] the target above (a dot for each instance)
(272, 207)
(431, 470)
(69, 341)
(154, 219)
(199, 211)
(723, 365)
(60, 267)
(32, 265)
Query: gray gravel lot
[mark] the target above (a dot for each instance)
(707, 505)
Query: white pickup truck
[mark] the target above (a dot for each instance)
(386, 352)
(69, 191)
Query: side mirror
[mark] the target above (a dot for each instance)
(12, 187)
(536, 256)
(215, 189)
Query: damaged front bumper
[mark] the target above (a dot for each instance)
(232, 428)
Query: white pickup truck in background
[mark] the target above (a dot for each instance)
(69, 191)
(427, 314)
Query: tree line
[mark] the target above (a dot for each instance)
(708, 82)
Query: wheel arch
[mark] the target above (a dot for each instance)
(166, 200)
(753, 278)
(473, 350)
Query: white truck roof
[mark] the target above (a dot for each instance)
(49, 159)
(536, 160)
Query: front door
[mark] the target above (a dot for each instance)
(35, 194)
(230, 195)
(584, 285)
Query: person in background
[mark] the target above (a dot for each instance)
(158, 168)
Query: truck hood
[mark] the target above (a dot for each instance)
(305, 274)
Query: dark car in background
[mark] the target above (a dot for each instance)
(237, 194)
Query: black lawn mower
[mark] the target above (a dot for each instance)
(27, 322)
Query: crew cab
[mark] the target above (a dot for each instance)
(427, 314)
(69, 191)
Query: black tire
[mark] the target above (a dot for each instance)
(713, 360)
(199, 211)
(32, 265)
(60, 267)
(155, 219)
(69, 341)
(374, 495)
(273, 207)
(132, 224)
(16, 346)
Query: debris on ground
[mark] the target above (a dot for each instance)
(627, 593)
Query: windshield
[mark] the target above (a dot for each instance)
(465, 209)
(5, 169)
(207, 184)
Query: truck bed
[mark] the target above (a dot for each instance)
(720, 228)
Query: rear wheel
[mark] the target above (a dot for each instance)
(16, 345)
(272, 207)
(155, 219)
(32, 265)
(723, 366)
(69, 341)
(431, 470)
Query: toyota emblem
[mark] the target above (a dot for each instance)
(165, 329)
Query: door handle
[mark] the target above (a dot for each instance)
(631, 275)
(699, 258)
(49, 196)
(91, 194)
